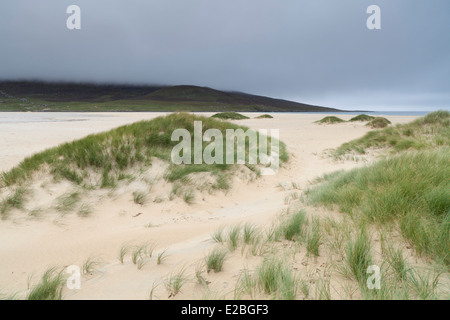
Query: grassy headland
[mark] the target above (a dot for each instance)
(43, 96)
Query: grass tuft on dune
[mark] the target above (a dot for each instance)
(362, 117)
(49, 288)
(112, 152)
(378, 123)
(229, 116)
(264, 116)
(330, 120)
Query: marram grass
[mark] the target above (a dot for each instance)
(362, 117)
(215, 259)
(293, 227)
(378, 123)
(330, 119)
(274, 277)
(49, 288)
(264, 116)
(411, 189)
(229, 116)
(15, 200)
(110, 153)
(427, 132)
(102, 160)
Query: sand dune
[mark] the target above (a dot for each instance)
(31, 245)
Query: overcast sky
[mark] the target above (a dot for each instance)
(312, 51)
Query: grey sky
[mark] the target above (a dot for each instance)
(313, 51)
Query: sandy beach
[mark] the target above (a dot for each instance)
(249, 151)
(28, 246)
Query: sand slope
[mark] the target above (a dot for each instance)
(29, 246)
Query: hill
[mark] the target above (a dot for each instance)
(47, 96)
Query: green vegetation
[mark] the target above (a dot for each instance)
(49, 288)
(188, 196)
(275, 277)
(67, 202)
(229, 116)
(397, 262)
(139, 198)
(292, 228)
(200, 278)
(140, 253)
(405, 194)
(378, 123)
(424, 285)
(330, 120)
(215, 259)
(175, 282)
(427, 132)
(352, 246)
(314, 237)
(233, 237)
(359, 256)
(218, 236)
(264, 116)
(41, 96)
(85, 210)
(16, 200)
(90, 265)
(161, 257)
(222, 182)
(374, 122)
(305, 286)
(257, 245)
(122, 253)
(245, 285)
(155, 285)
(412, 189)
(269, 275)
(362, 117)
(323, 289)
(249, 233)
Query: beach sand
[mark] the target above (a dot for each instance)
(29, 246)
